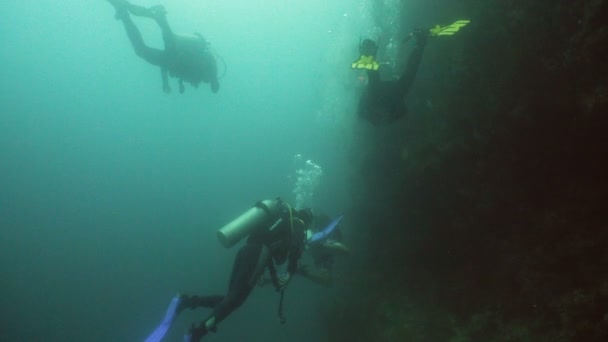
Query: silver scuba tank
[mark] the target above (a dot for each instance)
(261, 214)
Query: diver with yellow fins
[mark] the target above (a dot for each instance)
(383, 101)
(276, 236)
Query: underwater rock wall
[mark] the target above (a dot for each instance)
(483, 215)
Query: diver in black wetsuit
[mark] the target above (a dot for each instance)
(323, 254)
(281, 239)
(383, 101)
(185, 58)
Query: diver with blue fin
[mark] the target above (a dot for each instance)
(383, 100)
(276, 237)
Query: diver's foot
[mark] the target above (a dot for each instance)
(193, 302)
(215, 86)
(121, 8)
(121, 13)
(117, 3)
(196, 334)
(421, 35)
(183, 299)
(157, 12)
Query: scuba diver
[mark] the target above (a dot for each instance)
(323, 244)
(323, 250)
(276, 236)
(382, 100)
(186, 58)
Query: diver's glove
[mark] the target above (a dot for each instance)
(283, 279)
(195, 334)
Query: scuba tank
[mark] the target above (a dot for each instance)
(261, 214)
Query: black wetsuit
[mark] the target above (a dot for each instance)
(185, 58)
(383, 101)
(269, 246)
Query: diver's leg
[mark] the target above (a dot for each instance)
(139, 11)
(413, 62)
(151, 55)
(371, 98)
(160, 16)
(177, 305)
(193, 302)
(248, 266)
(210, 67)
(396, 96)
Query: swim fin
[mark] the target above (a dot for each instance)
(159, 333)
(320, 236)
(365, 62)
(448, 30)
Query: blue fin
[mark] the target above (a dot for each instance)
(322, 235)
(159, 333)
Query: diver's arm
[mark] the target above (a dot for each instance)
(292, 267)
(320, 276)
(274, 278)
(413, 63)
(211, 70)
(165, 79)
(280, 281)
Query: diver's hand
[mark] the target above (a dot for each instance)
(195, 334)
(283, 280)
(263, 281)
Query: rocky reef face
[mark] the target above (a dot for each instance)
(483, 216)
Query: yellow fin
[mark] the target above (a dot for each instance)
(449, 30)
